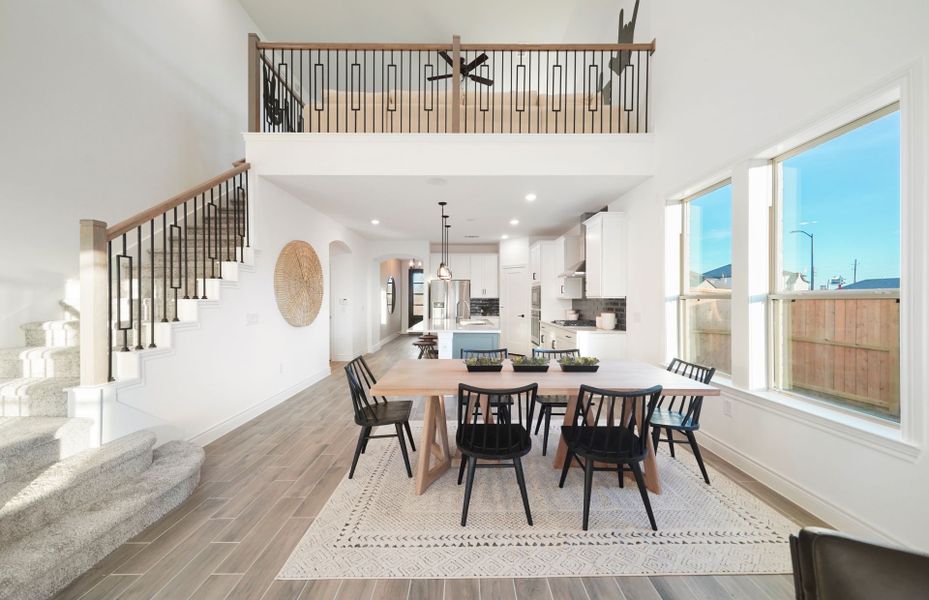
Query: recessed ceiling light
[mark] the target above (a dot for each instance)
(504, 237)
(514, 221)
(530, 197)
(436, 181)
(375, 222)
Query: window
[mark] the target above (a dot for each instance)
(706, 277)
(836, 267)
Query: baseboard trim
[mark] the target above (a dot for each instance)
(221, 429)
(380, 343)
(826, 510)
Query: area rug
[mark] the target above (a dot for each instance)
(374, 526)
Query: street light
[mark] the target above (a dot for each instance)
(812, 277)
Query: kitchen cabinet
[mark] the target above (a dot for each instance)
(606, 241)
(605, 345)
(460, 264)
(535, 262)
(484, 275)
(567, 253)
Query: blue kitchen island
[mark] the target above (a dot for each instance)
(478, 333)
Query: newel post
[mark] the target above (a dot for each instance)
(253, 82)
(456, 84)
(94, 298)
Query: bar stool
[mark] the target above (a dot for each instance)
(427, 347)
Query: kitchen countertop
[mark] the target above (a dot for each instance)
(584, 329)
(439, 325)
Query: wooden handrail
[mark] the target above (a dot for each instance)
(350, 46)
(650, 46)
(146, 215)
(282, 79)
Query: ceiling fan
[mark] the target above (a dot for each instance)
(465, 68)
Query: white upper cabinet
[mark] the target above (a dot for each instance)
(460, 264)
(485, 274)
(606, 255)
(535, 263)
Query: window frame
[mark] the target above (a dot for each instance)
(685, 292)
(775, 361)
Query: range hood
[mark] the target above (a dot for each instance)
(578, 254)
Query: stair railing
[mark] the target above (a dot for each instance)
(134, 274)
(318, 87)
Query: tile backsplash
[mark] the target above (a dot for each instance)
(485, 307)
(589, 308)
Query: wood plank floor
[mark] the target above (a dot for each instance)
(264, 483)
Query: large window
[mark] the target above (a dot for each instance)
(706, 277)
(836, 267)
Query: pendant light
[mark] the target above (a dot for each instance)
(444, 273)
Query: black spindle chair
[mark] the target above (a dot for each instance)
(376, 413)
(500, 441)
(610, 427)
(499, 353)
(547, 403)
(682, 413)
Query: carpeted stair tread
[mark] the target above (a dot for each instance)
(58, 333)
(28, 444)
(40, 361)
(35, 396)
(30, 504)
(44, 562)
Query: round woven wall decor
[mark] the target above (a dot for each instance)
(298, 283)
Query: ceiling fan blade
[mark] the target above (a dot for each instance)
(465, 69)
(480, 79)
(447, 58)
(437, 77)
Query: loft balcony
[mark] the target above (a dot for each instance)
(449, 88)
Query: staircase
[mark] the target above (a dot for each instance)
(64, 505)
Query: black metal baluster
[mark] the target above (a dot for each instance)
(196, 295)
(119, 305)
(109, 310)
(175, 235)
(186, 265)
(247, 241)
(151, 306)
(229, 250)
(164, 268)
(138, 244)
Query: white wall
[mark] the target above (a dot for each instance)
(226, 370)
(108, 107)
(732, 79)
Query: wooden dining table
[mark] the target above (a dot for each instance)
(434, 379)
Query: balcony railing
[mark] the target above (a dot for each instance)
(449, 88)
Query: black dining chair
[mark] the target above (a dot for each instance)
(548, 403)
(376, 412)
(499, 353)
(682, 413)
(500, 441)
(610, 427)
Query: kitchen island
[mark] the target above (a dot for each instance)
(476, 333)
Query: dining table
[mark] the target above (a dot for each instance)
(434, 379)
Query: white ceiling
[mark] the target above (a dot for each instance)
(415, 21)
(407, 206)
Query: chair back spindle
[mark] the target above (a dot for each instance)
(555, 354)
(615, 424)
(499, 353)
(688, 407)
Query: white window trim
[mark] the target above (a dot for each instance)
(685, 293)
(776, 268)
(906, 440)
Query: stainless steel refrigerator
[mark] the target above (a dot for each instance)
(450, 299)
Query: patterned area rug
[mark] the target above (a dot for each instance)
(374, 526)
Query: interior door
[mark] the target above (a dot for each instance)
(515, 310)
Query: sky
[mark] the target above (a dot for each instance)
(845, 192)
